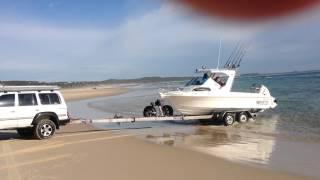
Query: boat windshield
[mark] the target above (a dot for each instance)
(196, 81)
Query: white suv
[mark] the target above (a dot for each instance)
(32, 110)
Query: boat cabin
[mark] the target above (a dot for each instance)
(212, 80)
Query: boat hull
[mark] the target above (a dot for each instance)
(204, 105)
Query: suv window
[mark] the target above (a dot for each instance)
(27, 99)
(49, 98)
(7, 100)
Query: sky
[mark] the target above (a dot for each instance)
(66, 40)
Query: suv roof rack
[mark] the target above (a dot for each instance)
(27, 88)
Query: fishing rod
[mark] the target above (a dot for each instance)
(238, 60)
(227, 64)
(238, 65)
(237, 56)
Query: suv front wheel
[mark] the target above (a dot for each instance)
(44, 129)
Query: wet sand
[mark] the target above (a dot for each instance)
(74, 94)
(257, 147)
(83, 152)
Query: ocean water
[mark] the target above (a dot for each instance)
(298, 98)
(278, 139)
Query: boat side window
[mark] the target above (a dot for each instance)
(7, 100)
(27, 99)
(201, 89)
(198, 80)
(49, 98)
(221, 80)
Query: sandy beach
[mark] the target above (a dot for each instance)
(74, 94)
(84, 152)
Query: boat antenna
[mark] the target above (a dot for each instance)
(219, 55)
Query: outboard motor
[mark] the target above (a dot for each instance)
(157, 109)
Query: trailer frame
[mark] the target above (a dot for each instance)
(133, 119)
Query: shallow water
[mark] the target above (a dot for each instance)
(286, 139)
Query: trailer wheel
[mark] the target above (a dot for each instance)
(167, 110)
(243, 117)
(228, 119)
(149, 111)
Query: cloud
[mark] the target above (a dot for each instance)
(167, 41)
(139, 46)
(287, 47)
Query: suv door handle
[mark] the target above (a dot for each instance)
(37, 110)
(13, 111)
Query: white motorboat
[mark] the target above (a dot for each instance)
(212, 93)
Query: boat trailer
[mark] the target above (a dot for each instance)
(156, 112)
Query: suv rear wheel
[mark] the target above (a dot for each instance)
(44, 129)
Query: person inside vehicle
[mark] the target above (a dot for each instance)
(219, 81)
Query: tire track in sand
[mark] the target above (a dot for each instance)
(13, 172)
(10, 153)
(37, 161)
